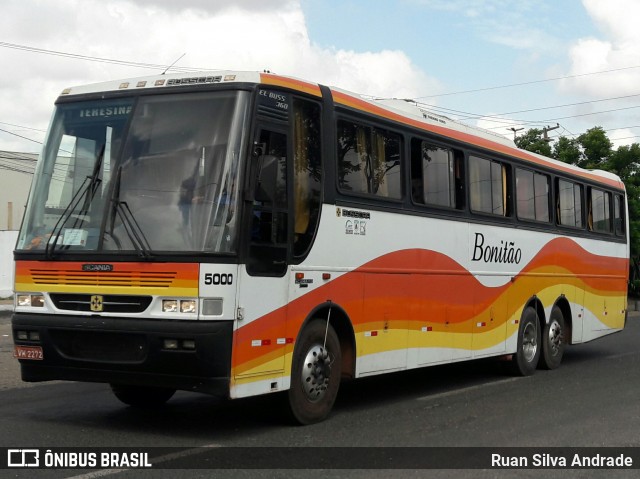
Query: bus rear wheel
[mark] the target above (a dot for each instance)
(142, 396)
(553, 340)
(315, 373)
(526, 358)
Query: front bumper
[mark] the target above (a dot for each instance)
(128, 351)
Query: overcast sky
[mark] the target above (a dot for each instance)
(519, 60)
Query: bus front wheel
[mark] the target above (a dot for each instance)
(142, 396)
(526, 358)
(315, 373)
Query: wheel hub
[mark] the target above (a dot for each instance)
(555, 337)
(316, 372)
(529, 342)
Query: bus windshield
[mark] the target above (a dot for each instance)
(153, 174)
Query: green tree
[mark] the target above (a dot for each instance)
(567, 150)
(593, 149)
(532, 141)
(625, 161)
(596, 148)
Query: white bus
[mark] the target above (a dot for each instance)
(240, 234)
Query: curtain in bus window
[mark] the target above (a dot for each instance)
(541, 201)
(363, 160)
(499, 188)
(478, 198)
(378, 166)
(577, 195)
(386, 180)
(618, 212)
(307, 173)
(301, 183)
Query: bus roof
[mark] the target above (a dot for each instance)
(406, 112)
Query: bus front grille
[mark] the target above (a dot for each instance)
(110, 303)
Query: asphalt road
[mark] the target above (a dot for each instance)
(593, 400)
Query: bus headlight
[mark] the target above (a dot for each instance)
(30, 300)
(183, 306)
(188, 306)
(169, 305)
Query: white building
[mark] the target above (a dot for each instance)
(16, 172)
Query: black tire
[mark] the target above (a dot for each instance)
(526, 358)
(553, 340)
(315, 373)
(142, 396)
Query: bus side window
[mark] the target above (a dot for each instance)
(569, 204)
(532, 195)
(599, 211)
(269, 218)
(369, 160)
(436, 175)
(489, 186)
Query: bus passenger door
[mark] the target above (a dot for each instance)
(262, 298)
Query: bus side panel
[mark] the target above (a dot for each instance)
(490, 326)
(419, 299)
(260, 341)
(383, 336)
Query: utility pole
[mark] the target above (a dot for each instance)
(547, 129)
(514, 130)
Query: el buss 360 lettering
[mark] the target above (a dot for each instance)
(506, 253)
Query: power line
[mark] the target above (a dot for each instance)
(529, 82)
(16, 156)
(497, 117)
(549, 120)
(23, 127)
(20, 136)
(566, 105)
(592, 113)
(152, 66)
(15, 170)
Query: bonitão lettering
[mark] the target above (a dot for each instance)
(505, 253)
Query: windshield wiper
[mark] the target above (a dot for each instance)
(89, 185)
(131, 226)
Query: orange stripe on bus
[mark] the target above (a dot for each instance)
(292, 83)
(452, 296)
